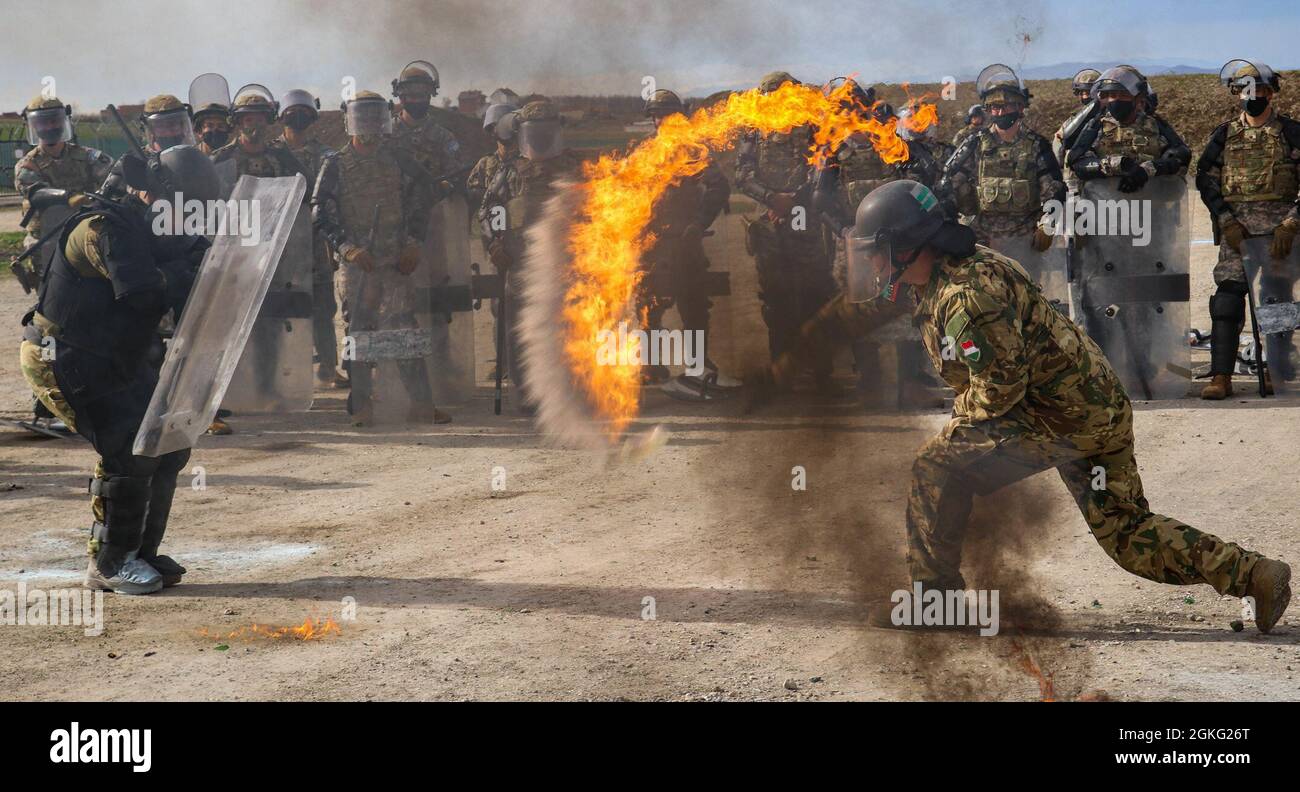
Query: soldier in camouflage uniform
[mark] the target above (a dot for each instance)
(1033, 393)
(517, 193)
(485, 170)
(432, 145)
(212, 126)
(926, 154)
(975, 118)
(676, 262)
(298, 114)
(55, 162)
(55, 172)
(1081, 85)
(367, 205)
(1003, 176)
(253, 151)
(787, 242)
(854, 171)
(1249, 178)
(1123, 140)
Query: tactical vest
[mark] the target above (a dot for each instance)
(1007, 177)
(428, 143)
(264, 163)
(1140, 139)
(368, 183)
(1256, 165)
(861, 171)
(783, 160)
(82, 305)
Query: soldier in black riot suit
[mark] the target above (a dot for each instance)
(91, 349)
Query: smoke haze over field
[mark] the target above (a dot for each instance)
(593, 46)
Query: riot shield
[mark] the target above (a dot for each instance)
(444, 306)
(1133, 282)
(1275, 313)
(209, 92)
(1047, 269)
(275, 373)
(218, 318)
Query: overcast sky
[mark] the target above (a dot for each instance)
(125, 51)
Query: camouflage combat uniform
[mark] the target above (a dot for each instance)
(960, 136)
(370, 200)
(522, 186)
(1251, 175)
(76, 168)
(311, 155)
(1001, 186)
(432, 145)
(273, 160)
(794, 263)
(1033, 393)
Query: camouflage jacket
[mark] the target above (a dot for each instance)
(310, 156)
(995, 340)
(1103, 141)
(273, 160)
(523, 185)
(76, 168)
(1244, 165)
(773, 163)
(431, 144)
(1003, 184)
(369, 200)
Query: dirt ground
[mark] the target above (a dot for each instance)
(539, 590)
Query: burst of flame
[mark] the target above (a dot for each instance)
(1046, 689)
(309, 630)
(619, 195)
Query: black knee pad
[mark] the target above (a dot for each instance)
(1228, 304)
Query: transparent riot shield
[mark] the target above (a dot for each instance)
(1133, 282)
(275, 373)
(1276, 313)
(228, 173)
(209, 92)
(1047, 269)
(445, 301)
(219, 317)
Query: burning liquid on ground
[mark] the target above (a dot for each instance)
(609, 236)
(309, 630)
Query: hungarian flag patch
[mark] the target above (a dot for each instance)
(970, 350)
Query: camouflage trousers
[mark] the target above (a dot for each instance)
(382, 299)
(1101, 473)
(1259, 218)
(674, 267)
(323, 306)
(794, 282)
(991, 225)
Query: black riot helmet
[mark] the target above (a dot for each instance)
(179, 169)
(975, 111)
(897, 218)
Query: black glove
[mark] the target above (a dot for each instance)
(1133, 180)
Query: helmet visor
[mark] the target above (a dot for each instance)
(171, 128)
(368, 117)
(539, 140)
(49, 125)
(870, 266)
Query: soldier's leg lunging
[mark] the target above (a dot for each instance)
(1108, 490)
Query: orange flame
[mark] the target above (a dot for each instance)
(309, 630)
(619, 196)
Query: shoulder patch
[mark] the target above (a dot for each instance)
(970, 345)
